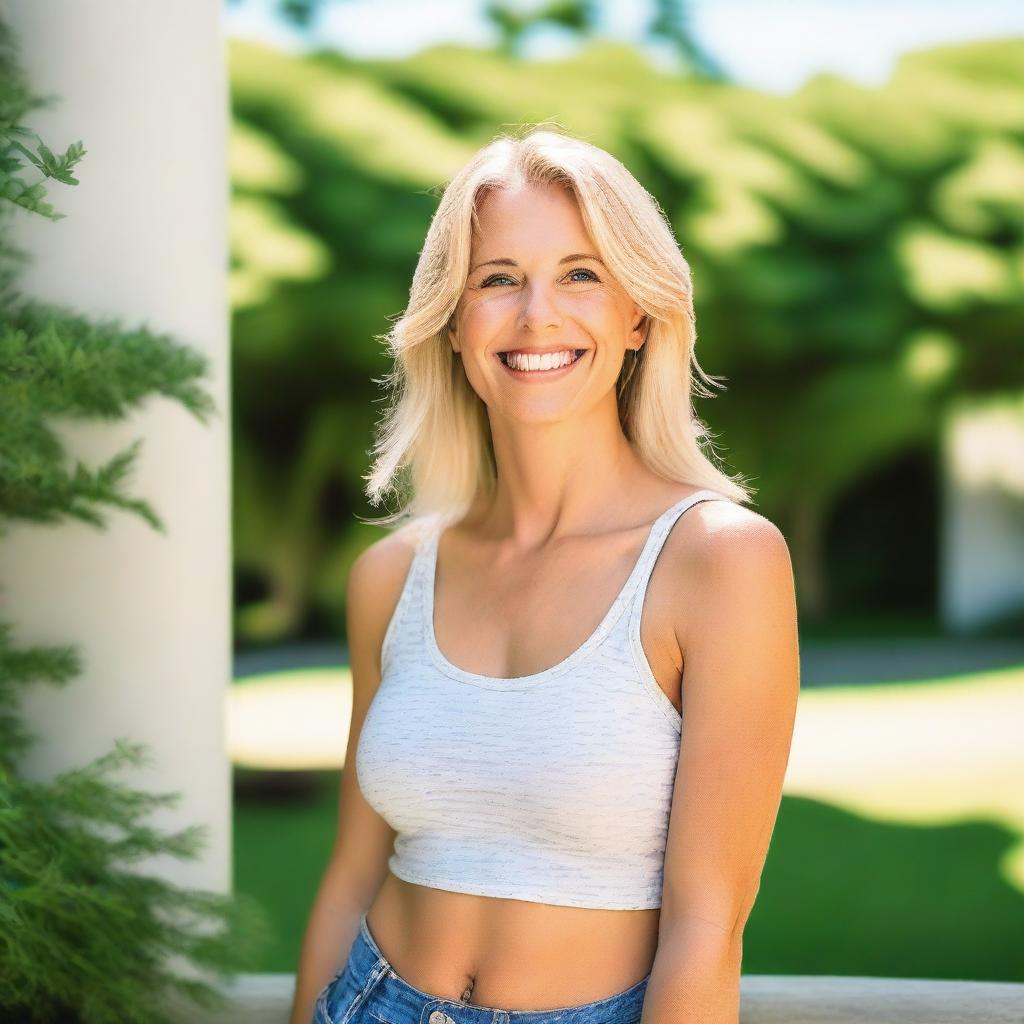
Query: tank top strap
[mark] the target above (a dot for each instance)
(655, 542)
(422, 533)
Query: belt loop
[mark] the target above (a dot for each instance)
(500, 1017)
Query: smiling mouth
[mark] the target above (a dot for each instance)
(541, 364)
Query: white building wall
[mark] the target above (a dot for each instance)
(982, 547)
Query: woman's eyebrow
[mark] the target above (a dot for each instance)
(506, 262)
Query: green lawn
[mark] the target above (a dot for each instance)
(899, 849)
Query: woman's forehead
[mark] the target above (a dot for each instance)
(527, 220)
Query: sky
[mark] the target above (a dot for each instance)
(772, 45)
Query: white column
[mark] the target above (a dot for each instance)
(143, 86)
(983, 516)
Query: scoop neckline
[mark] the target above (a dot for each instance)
(609, 619)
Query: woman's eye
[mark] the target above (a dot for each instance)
(504, 277)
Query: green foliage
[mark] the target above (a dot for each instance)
(15, 101)
(829, 231)
(84, 935)
(514, 23)
(57, 363)
(30, 197)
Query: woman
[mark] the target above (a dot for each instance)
(531, 833)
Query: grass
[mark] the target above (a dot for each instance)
(898, 852)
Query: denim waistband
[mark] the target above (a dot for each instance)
(398, 1002)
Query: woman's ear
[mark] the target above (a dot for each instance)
(639, 333)
(453, 335)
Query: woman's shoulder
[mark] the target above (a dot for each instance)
(719, 533)
(725, 550)
(726, 556)
(729, 531)
(392, 554)
(378, 573)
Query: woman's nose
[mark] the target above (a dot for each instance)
(540, 310)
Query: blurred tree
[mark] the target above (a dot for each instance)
(514, 23)
(671, 22)
(510, 18)
(300, 14)
(857, 258)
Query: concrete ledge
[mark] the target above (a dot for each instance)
(765, 998)
(840, 999)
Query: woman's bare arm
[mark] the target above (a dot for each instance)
(738, 637)
(357, 865)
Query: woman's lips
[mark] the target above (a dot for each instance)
(542, 375)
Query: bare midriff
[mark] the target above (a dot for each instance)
(509, 954)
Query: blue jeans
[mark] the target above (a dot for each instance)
(368, 991)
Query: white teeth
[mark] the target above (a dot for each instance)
(545, 361)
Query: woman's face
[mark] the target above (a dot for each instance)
(537, 285)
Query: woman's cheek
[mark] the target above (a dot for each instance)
(484, 315)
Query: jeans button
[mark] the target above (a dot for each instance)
(439, 1017)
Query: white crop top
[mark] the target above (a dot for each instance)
(554, 787)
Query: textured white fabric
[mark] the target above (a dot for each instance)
(554, 787)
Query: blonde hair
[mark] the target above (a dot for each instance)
(436, 429)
